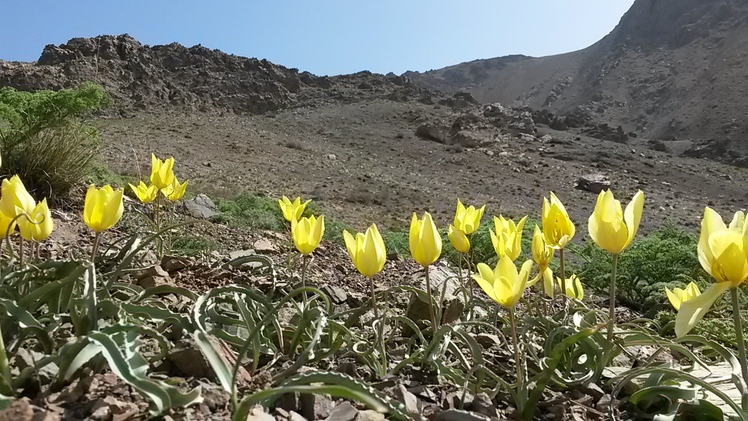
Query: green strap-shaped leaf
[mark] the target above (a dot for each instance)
(5, 401)
(242, 412)
(23, 317)
(336, 384)
(161, 395)
(223, 372)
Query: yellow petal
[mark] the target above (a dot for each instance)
(548, 286)
(711, 222)
(557, 227)
(729, 264)
(485, 279)
(693, 310)
(738, 221)
(692, 290)
(458, 239)
(425, 241)
(675, 297)
(633, 215)
(350, 245)
(371, 257)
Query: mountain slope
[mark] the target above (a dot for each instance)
(196, 78)
(671, 69)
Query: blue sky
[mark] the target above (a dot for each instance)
(325, 37)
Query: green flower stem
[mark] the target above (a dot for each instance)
(380, 329)
(290, 249)
(373, 298)
(469, 259)
(20, 250)
(741, 344)
(612, 313)
(5, 383)
(431, 305)
(563, 275)
(304, 267)
(517, 362)
(95, 247)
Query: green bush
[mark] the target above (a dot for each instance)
(665, 258)
(194, 245)
(44, 140)
(253, 211)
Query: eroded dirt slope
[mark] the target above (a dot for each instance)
(364, 163)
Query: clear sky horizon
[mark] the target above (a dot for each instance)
(327, 37)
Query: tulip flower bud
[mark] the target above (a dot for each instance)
(103, 207)
(162, 173)
(366, 250)
(292, 211)
(425, 241)
(307, 233)
(458, 239)
(612, 229)
(37, 225)
(557, 226)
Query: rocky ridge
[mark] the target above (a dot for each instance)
(196, 78)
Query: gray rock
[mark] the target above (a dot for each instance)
(241, 253)
(264, 246)
(25, 358)
(201, 207)
(259, 414)
(343, 412)
(189, 362)
(295, 416)
(369, 415)
(315, 407)
(594, 183)
(487, 340)
(174, 263)
(482, 404)
(431, 132)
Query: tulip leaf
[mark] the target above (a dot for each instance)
(131, 367)
(335, 384)
(223, 372)
(6, 401)
(165, 289)
(23, 317)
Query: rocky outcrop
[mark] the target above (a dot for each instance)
(196, 78)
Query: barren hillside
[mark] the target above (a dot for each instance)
(671, 69)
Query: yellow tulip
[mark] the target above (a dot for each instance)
(103, 207)
(307, 233)
(425, 241)
(468, 219)
(573, 287)
(508, 237)
(7, 225)
(366, 250)
(610, 227)
(542, 254)
(176, 190)
(37, 225)
(722, 253)
(144, 193)
(678, 296)
(292, 211)
(557, 227)
(504, 284)
(458, 239)
(162, 172)
(15, 199)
